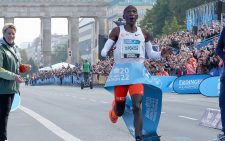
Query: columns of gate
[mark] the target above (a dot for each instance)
(97, 53)
(46, 40)
(8, 20)
(102, 26)
(73, 28)
(100, 29)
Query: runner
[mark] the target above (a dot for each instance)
(129, 43)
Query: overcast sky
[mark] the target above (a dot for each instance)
(29, 28)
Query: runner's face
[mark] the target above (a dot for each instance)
(131, 15)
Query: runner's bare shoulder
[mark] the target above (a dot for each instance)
(114, 33)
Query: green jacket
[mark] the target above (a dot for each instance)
(86, 67)
(9, 66)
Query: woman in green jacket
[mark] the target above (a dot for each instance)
(10, 69)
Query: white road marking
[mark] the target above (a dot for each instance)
(188, 117)
(163, 112)
(50, 125)
(104, 102)
(92, 100)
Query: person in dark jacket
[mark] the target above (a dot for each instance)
(10, 69)
(220, 50)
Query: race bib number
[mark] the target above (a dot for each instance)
(130, 48)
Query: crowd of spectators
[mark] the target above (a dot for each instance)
(188, 60)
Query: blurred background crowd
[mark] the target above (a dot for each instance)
(189, 57)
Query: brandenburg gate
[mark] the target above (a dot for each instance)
(47, 9)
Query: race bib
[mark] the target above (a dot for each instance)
(130, 48)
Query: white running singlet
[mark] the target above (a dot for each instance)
(130, 47)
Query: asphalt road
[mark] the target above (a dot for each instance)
(58, 113)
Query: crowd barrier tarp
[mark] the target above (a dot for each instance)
(211, 118)
(164, 82)
(188, 84)
(123, 74)
(210, 86)
(200, 15)
(16, 102)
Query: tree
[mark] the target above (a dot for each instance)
(165, 10)
(171, 26)
(34, 66)
(23, 55)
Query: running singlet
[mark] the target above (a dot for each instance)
(130, 47)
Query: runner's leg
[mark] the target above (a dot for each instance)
(136, 92)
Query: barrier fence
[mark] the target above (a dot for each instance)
(200, 15)
(187, 84)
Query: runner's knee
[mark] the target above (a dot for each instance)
(119, 108)
(136, 106)
(136, 102)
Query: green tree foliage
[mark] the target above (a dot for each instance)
(164, 11)
(23, 55)
(171, 26)
(25, 60)
(60, 54)
(33, 65)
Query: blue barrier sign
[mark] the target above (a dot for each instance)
(165, 82)
(188, 84)
(125, 74)
(210, 87)
(16, 102)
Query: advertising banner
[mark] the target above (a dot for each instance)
(188, 84)
(126, 74)
(164, 82)
(210, 87)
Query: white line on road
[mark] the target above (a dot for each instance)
(92, 100)
(50, 125)
(163, 112)
(104, 102)
(188, 117)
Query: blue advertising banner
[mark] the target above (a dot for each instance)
(16, 102)
(125, 74)
(165, 83)
(188, 84)
(210, 87)
(151, 105)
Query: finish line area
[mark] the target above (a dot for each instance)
(83, 114)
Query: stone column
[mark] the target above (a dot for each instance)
(8, 20)
(102, 26)
(100, 29)
(46, 40)
(96, 54)
(73, 28)
(93, 45)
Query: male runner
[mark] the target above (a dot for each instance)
(131, 42)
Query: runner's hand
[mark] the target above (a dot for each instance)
(166, 52)
(110, 52)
